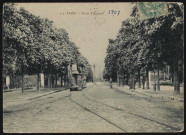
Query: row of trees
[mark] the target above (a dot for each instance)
(149, 44)
(32, 45)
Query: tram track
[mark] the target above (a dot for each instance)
(101, 115)
(48, 106)
(136, 115)
(89, 110)
(30, 105)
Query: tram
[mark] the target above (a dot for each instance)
(77, 79)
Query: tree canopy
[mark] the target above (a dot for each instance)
(34, 44)
(142, 43)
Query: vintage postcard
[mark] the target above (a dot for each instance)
(94, 67)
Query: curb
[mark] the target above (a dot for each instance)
(151, 95)
(8, 108)
(45, 94)
(162, 96)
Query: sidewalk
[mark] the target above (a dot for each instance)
(166, 92)
(17, 97)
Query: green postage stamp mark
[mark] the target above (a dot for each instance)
(152, 9)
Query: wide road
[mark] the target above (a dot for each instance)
(95, 109)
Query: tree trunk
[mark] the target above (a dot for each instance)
(139, 80)
(158, 81)
(168, 70)
(143, 82)
(117, 78)
(22, 79)
(133, 82)
(172, 73)
(147, 79)
(38, 81)
(130, 81)
(56, 81)
(22, 83)
(164, 75)
(110, 82)
(66, 81)
(127, 80)
(61, 81)
(118, 81)
(154, 87)
(50, 80)
(123, 81)
(176, 79)
(53, 81)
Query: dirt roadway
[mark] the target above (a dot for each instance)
(95, 109)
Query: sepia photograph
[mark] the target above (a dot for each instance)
(93, 67)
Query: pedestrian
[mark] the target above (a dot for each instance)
(143, 82)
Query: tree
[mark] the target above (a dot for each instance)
(34, 45)
(167, 48)
(111, 59)
(105, 74)
(17, 38)
(142, 43)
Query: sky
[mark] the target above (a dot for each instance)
(89, 25)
